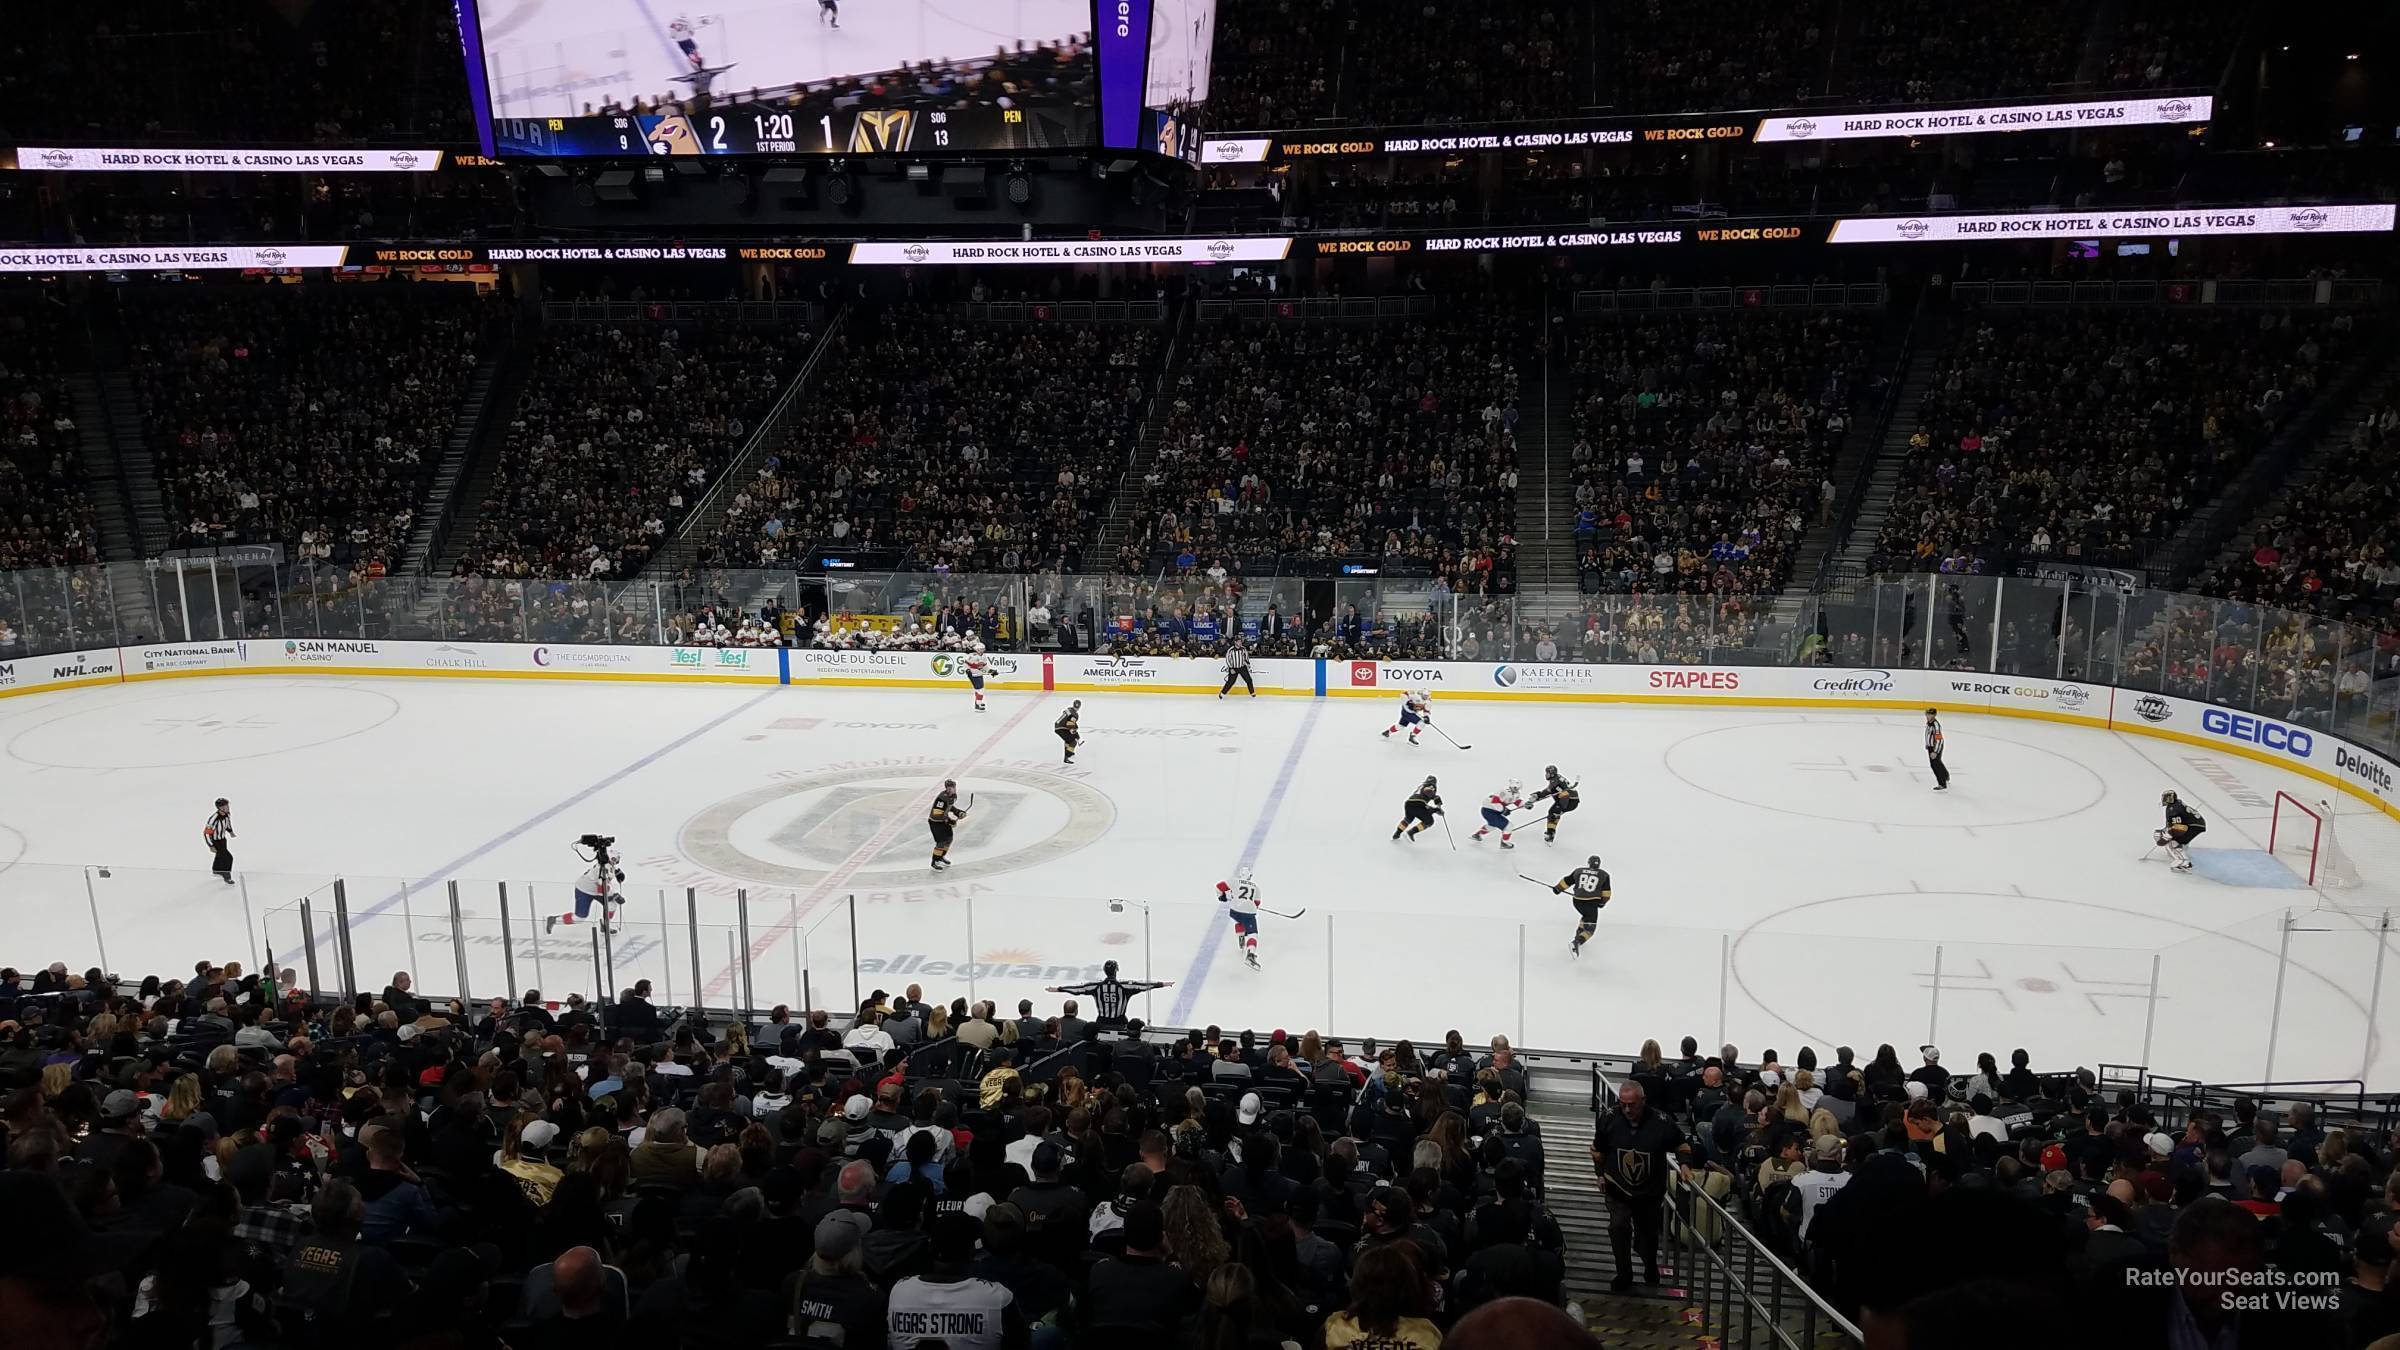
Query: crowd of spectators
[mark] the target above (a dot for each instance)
(220, 72)
(1057, 77)
(1323, 441)
(223, 1161)
(2086, 434)
(303, 417)
(2327, 548)
(1923, 51)
(215, 208)
(1702, 445)
(2035, 1191)
(959, 446)
(618, 433)
(45, 508)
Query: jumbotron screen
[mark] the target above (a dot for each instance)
(831, 77)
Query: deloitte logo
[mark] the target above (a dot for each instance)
(864, 824)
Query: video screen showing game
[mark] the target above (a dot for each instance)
(792, 77)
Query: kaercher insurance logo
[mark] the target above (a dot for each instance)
(866, 823)
(1545, 676)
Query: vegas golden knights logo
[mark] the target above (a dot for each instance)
(883, 131)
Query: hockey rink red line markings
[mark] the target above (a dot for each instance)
(859, 856)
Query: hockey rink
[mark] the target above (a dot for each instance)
(1782, 877)
(548, 58)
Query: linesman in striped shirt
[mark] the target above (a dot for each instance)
(217, 833)
(1933, 750)
(1237, 667)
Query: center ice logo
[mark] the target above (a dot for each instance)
(867, 824)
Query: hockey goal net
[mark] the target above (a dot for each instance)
(2302, 834)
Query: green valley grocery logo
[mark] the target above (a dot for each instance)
(866, 823)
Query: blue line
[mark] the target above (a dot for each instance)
(515, 831)
(1188, 991)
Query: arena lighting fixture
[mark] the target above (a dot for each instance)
(840, 188)
(1020, 186)
(920, 173)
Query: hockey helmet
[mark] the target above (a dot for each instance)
(1429, 781)
(1549, 771)
(2167, 798)
(1592, 861)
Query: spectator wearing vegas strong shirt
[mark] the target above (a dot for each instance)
(950, 1306)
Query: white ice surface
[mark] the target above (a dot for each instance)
(1781, 878)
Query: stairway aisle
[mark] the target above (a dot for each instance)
(490, 393)
(1118, 522)
(1546, 499)
(1883, 483)
(1646, 1318)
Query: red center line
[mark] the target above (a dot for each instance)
(859, 856)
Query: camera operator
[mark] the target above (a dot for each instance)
(597, 887)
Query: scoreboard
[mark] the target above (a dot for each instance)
(768, 129)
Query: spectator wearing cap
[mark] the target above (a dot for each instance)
(352, 1289)
(833, 1301)
(1823, 1177)
(121, 1122)
(529, 1134)
(949, 1304)
(1055, 1214)
(1931, 1073)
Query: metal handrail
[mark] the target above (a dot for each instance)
(1740, 1268)
(677, 547)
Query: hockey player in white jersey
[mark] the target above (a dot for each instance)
(597, 888)
(1240, 898)
(1416, 714)
(977, 665)
(1495, 812)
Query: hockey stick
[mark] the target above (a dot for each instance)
(1447, 737)
(1446, 832)
(1281, 915)
(1543, 884)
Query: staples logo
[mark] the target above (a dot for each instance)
(2258, 731)
(1695, 679)
(1362, 674)
(2152, 708)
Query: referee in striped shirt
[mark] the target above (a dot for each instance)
(1933, 750)
(217, 833)
(1110, 995)
(1237, 667)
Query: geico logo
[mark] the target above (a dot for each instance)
(2359, 766)
(2258, 731)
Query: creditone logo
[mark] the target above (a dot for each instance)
(1857, 682)
(447, 657)
(2309, 218)
(1362, 674)
(804, 828)
(1913, 230)
(1544, 675)
(2152, 708)
(315, 649)
(1695, 679)
(2372, 772)
(2259, 731)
